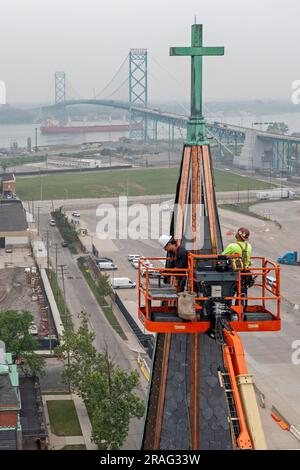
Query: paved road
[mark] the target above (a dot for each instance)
(79, 298)
(92, 203)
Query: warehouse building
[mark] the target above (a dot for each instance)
(13, 224)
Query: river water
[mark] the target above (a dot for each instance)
(20, 133)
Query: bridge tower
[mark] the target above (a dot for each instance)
(138, 91)
(60, 87)
(60, 93)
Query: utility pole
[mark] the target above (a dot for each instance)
(36, 148)
(38, 220)
(56, 249)
(48, 260)
(62, 269)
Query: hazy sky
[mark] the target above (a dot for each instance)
(88, 39)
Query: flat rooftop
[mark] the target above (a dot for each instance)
(12, 216)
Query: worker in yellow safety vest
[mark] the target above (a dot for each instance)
(241, 247)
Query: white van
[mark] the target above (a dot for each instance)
(107, 265)
(122, 283)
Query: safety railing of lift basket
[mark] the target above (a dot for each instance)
(264, 270)
(173, 273)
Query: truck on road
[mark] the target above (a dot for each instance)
(275, 194)
(290, 258)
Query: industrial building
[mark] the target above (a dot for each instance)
(75, 163)
(13, 224)
(8, 184)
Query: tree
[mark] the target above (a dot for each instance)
(111, 413)
(107, 390)
(4, 166)
(103, 284)
(14, 331)
(278, 128)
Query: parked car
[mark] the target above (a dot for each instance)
(75, 214)
(107, 266)
(132, 257)
(153, 274)
(146, 262)
(52, 222)
(122, 283)
(64, 244)
(135, 263)
(104, 259)
(8, 249)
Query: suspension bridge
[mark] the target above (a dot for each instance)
(259, 149)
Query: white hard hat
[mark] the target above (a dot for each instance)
(164, 240)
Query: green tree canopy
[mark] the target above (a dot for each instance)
(278, 128)
(107, 390)
(14, 331)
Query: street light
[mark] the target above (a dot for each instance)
(38, 220)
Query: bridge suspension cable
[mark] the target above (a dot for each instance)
(112, 79)
(71, 92)
(116, 90)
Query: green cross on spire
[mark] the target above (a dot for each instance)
(196, 134)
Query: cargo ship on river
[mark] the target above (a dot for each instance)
(56, 128)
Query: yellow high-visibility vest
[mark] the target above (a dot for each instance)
(237, 248)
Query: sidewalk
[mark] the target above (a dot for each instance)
(58, 442)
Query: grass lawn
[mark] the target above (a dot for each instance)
(108, 312)
(115, 183)
(63, 418)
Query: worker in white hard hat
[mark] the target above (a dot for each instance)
(178, 254)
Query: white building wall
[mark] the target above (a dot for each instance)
(14, 241)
